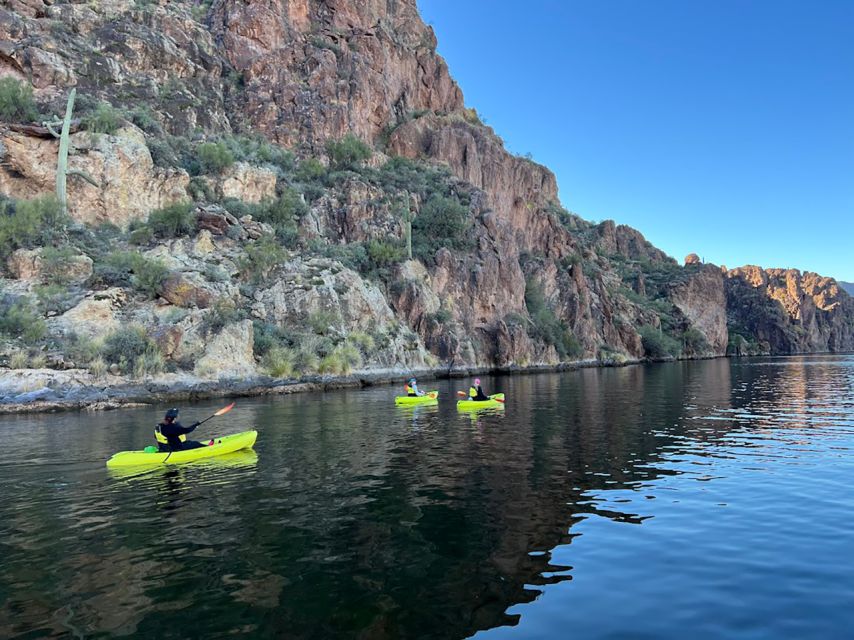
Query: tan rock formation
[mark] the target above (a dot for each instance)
(130, 186)
(229, 354)
(245, 182)
(27, 264)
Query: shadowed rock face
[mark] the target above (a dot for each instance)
(790, 311)
(302, 72)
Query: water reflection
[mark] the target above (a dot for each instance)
(359, 518)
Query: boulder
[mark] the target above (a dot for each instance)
(692, 258)
(185, 290)
(230, 353)
(246, 182)
(129, 185)
(27, 264)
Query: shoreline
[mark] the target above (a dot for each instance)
(53, 391)
(70, 391)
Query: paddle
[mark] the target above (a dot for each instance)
(222, 411)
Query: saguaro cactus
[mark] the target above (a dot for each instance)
(62, 172)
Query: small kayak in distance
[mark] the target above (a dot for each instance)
(223, 445)
(495, 400)
(429, 397)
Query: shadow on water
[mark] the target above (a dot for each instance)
(357, 518)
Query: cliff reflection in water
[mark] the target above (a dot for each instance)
(358, 519)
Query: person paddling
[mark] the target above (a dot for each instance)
(412, 389)
(476, 392)
(172, 434)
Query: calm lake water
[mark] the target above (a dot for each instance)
(705, 500)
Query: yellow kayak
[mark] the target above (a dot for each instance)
(495, 400)
(428, 398)
(223, 445)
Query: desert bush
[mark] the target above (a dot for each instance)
(323, 320)
(16, 101)
(657, 344)
(694, 341)
(347, 153)
(221, 313)
(19, 359)
(129, 268)
(173, 220)
(545, 325)
(29, 223)
(442, 222)
(262, 256)
(132, 350)
(98, 367)
(310, 170)
(19, 321)
(278, 362)
(363, 341)
(54, 263)
(104, 119)
(214, 157)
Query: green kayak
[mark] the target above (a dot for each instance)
(220, 446)
(496, 400)
(429, 398)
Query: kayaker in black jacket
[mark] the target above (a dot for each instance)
(476, 391)
(172, 430)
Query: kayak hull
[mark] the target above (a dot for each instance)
(495, 400)
(429, 398)
(221, 446)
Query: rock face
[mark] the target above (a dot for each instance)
(229, 354)
(29, 264)
(535, 284)
(129, 185)
(790, 311)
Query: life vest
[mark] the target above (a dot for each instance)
(409, 390)
(163, 439)
(472, 393)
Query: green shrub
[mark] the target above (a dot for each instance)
(82, 350)
(310, 170)
(224, 311)
(546, 326)
(141, 235)
(173, 220)
(323, 320)
(442, 222)
(347, 153)
(278, 362)
(363, 341)
(694, 341)
(148, 276)
(19, 359)
(283, 214)
(104, 119)
(128, 268)
(146, 119)
(129, 347)
(29, 223)
(200, 190)
(214, 157)
(16, 101)
(54, 298)
(657, 344)
(262, 256)
(19, 321)
(54, 263)
(150, 362)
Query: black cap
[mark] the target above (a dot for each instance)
(172, 413)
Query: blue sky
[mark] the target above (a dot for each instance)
(724, 128)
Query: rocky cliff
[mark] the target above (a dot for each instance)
(297, 186)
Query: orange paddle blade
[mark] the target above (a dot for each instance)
(225, 409)
(501, 400)
(462, 394)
